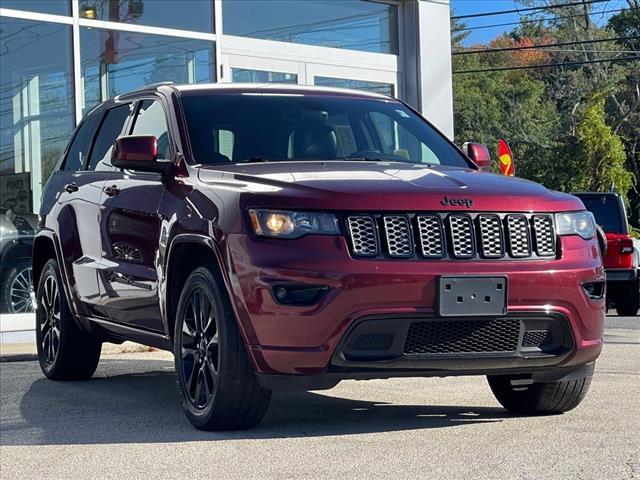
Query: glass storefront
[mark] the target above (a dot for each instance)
(115, 62)
(194, 15)
(349, 24)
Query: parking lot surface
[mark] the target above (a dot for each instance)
(127, 423)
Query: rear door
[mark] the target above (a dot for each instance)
(131, 228)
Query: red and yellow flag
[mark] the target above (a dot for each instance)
(505, 158)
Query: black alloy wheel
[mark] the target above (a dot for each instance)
(200, 348)
(49, 319)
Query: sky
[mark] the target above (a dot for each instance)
(483, 35)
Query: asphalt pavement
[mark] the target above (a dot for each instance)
(127, 423)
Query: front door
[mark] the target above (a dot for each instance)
(130, 231)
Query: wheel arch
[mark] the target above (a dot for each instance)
(45, 247)
(195, 250)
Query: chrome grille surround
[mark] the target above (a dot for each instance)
(452, 235)
(544, 235)
(491, 236)
(461, 235)
(519, 236)
(364, 235)
(431, 236)
(398, 235)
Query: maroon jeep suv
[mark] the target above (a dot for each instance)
(279, 238)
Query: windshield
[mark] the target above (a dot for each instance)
(606, 211)
(234, 127)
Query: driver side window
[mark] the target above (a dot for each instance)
(150, 120)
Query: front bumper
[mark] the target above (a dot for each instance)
(286, 340)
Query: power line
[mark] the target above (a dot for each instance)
(545, 65)
(538, 20)
(544, 45)
(531, 9)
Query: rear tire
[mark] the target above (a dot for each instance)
(65, 351)
(217, 385)
(539, 398)
(628, 302)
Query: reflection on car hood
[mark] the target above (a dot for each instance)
(386, 185)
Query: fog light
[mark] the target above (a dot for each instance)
(301, 295)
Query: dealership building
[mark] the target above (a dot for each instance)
(60, 58)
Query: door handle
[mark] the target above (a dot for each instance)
(112, 190)
(71, 187)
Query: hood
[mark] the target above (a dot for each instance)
(382, 186)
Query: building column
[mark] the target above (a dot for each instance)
(426, 50)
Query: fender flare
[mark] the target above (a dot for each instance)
(246, 330)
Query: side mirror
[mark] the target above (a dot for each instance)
(479, 153)
(140, 153)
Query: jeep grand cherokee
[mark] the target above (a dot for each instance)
(280, 237)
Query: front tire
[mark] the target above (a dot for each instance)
(216, 382)
(17, 289)
(65, 351)
(539, 398)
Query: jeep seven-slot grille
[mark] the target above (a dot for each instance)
(454, 235)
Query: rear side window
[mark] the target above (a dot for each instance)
(110, 129)
(150, 120)
(81, 143)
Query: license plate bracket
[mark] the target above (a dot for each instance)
(465, 296)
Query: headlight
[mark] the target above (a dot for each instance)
(285, 224)
(576, 223)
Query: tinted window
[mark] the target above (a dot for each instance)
(351, 24)
(150, 120)
(305, 127)
(79, 149)
(109, 130)
(606, 210)
(57, 7)
(185, 14)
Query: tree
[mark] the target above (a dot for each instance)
(601, 152)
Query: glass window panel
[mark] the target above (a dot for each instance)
(56, 7)
(377, 87)
(79, 148)
(183, 15)
(36, 107)
(110, 129)
(350, 24)
(150, 120)
(246, 75)
(116, 62)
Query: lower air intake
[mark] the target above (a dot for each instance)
(463, 336)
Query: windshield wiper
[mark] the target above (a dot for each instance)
(256, 159)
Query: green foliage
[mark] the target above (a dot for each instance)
(601, 154)
(573, 127)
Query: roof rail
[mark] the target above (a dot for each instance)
(151, 86)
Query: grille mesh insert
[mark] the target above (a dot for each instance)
(491, 237)
(544, 235)
(463, 336)
(461, 232)
(431, 234)
(364, 237)
(399, 236)
(518, 229)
